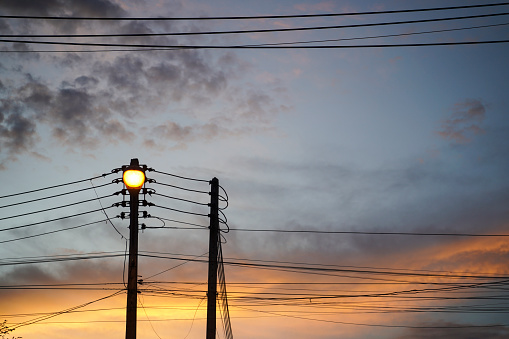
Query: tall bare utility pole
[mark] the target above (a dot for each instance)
(213, 241)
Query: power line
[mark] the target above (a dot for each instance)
(51, 232)
(298, 267)
(104, 211)
(39, 319)
(55, 186)
(369, 233)
(55, 219)
(54, 196)
(251, 17)
(363, 271)
(179, 176)
(260, 45)
(61, 259)
(52, 208)
(375, 325)
(173, 267)
(180, 199)
(383, 36)
(180, 187)
(237, 262)
(180, 222)
(271, 30)
(176, 47)
(181, 211)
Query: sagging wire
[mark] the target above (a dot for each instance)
(51, 208)
(69, 310)
(146, 315)
(180, 211)
(178, 222)
(177, 176)
(53, 196)
(224, 222)
(223, 299)
(180, 199)
(223, 199)
(55, 186)
(179, 187)
(123, 266)
(104, 211)
(51, 220)
(171, 268)
(194, 317)
(51, 232)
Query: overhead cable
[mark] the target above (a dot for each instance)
(51, 232)
(376, 325)
(270, 30)
(181, 211)
(54, 196)
(55, 186)
(179, 176)
(51, 220)
(181, 188)
(176, 47)
(369, 232)
(251, 17)
(52, 208)
(36, 320)
(180, 199)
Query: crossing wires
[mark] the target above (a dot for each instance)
(486, 20)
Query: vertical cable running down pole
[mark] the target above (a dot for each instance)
(213, 252)
(223, 298)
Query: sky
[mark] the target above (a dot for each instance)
(366, 187)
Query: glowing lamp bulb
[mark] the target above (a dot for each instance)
(134, 179)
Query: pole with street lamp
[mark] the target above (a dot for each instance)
(134, 179)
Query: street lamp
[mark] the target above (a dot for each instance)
(134, 178)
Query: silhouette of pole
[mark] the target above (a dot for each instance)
(213, 241)
(132, 275)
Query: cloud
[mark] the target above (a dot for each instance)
(75, 115)
(17, 133)
(324, 6)
(60, 7)
(88, 100)
(458, 333)
(465, 121)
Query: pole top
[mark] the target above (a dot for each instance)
(134, 162)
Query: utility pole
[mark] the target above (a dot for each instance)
(213, 241)
(134, 178)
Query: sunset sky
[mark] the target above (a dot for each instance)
(367, 187)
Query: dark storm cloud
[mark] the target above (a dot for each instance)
(456, 333)
(17, 133)
(126, 73)
(74, 114)
(61, 7)
(30, 7)
(98, 98)
(93, 8)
